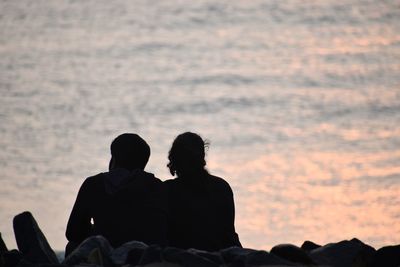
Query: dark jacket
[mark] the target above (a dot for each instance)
(124, 205)
(201, 213)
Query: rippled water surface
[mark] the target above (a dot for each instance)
(300, 100)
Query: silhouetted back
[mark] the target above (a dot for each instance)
(201, 216)
(201, 206)
(134, 209)
(123, 204)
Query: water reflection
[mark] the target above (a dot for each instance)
(321, 196)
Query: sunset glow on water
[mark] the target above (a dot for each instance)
(299, 99)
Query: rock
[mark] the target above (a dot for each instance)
(235, 254)
(30, 240)
(263, 258)
(150, 255)
(119, 255)
(215, 257)
(134, 256)
(343, 254)
(95, 257)
(3, 247)
(309, 245)
(11, 258)
(71, 246)
(3, 251)
(186, 258)
(82, 252)
(60, 255)
(238, 257)
(387, 256)
(292, 253)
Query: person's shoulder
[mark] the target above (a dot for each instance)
(92, 182)
(148, 180)
(220, 182)
(170, 183)
(94, 179)
(175, 185)
(150, 177)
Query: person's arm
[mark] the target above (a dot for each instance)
(79, 224)
(233, 236)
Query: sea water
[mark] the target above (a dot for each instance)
(300, 101)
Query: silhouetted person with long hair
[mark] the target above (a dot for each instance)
(125, 203)
(201, 206)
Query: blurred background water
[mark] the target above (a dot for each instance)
(300, 100)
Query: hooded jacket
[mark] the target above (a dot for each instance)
(120, 205)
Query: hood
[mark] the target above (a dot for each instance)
(119, 178)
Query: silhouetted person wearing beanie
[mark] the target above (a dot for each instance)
(201, 205)
(124, 204)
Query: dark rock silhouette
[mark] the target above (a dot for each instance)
(31, 241)
(235, 254)
(96, 257)
(262, 258)
(3, 250)
(215, 257)
(12, 258)
(134, 256)
(292, 253)
(309, 245)
(83, 251)
(97, 251)
(120, 255)
(3, 247)
(237, 257)
(386, 257)
(151, 254)
(186, 258)
(343, 254)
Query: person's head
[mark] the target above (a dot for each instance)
(187, 154)
(129, 151)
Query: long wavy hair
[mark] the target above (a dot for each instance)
(187, 155)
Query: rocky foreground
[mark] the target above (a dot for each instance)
(34, 250)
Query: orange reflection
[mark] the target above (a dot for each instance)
(321, 196)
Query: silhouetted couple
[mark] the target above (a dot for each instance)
(194, 210)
